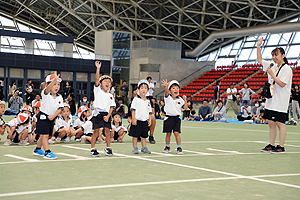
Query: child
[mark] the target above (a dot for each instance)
(192, 115)
(104, 104)
(18, 130)
(172, 122)
(63, 126)
(83, 114)
(36, 110)
(141, 112)
(70, 100)
(118, 131)
(50, 109)
(84, 102)
(2, 122)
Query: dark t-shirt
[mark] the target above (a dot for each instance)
(296, 95)
(72, 107)
(216, 90)
(124, 90)
(203, 111)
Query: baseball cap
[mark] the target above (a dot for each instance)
(51, 77)
(27, 107)
(37, 104)
(22, 117)
(82, 109)
(143, 81)
(232, 84)
(172, 83)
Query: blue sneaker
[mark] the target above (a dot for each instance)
(50, 156)
(38, 152)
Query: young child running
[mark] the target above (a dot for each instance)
(118, 131)
(2, 122)
(141, 112)
(104, 104)
(51, 107)
(63, 126)
(173, 105)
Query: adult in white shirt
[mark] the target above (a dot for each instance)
(246, 112)
(231, 99)
(280, 77)
(151, 88)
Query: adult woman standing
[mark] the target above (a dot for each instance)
(67, 90)
(11, 88)
(246, 93)
(280, 77)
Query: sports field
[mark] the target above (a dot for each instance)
(220, 161)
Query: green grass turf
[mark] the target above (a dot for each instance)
(239, 159)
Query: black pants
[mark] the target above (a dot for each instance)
(29, 99)
(240, 118)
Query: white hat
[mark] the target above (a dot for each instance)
(22, 117)
(143, 81)
(27, 107)
(51, 77)
(82, 109)
(172, 83)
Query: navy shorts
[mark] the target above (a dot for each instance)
(172, 123)
(140, 130)
(98, 121)
(44, 126)
(275, 116)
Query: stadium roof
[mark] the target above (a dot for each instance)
(186, 21)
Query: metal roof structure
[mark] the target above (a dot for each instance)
(186, 21)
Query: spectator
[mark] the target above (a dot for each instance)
(156, 109)
(259, 119)
(68, 90)
(220, 112)
(15, 103)
(151, 86)
(246, 112)
(162, 109)
(296, 101)
(246, 93)
(217, 94)
(71, 102)
(84, 102)
(192, 117)
(205, 112)
(187, 113)
(37, 98)
(1, 90)
(255, 110)
(125, 92)
(11, 88)
(113, 90)
(120, 108)
(231, 99)
(29, 90)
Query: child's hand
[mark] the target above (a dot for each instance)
(51, 117)
(106, 118)
(134, 122)
(184, 97)
(165, 82)
(2, 131)
(98, 64)
(149, 122)
(56, 76)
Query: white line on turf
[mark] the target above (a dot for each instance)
(219, 150)
(142, 184)
(21, 158)
(163, 154)
(73, 156)
(196, 152)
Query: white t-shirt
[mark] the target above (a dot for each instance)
(87, 127)
(61, 123)
(229, 90)
(280, 100)
(13, 122)
(103, 100)
(22, 127)
(142, 108)
(78, 123)
(244, 112)
(51, 104)
(150, 91)
(116, 129)
(173, 106)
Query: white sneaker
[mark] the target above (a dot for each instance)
(57, 140)
(7, 142)
(99, 140)
(67, 140)
(82, 140)
(51, 141)
(23, 143)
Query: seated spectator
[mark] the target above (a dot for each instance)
(37, 98)
(220, 112)
(187, 113)
(15, 103)
(120, 108)
(70, 100)
(259, 119)
(192, 116)
(83, 102)
(162, 109)
(156, 109)
(205, 112)
(245, 112)
(255, 110)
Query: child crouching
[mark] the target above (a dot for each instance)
(118, 131)
(63, 126)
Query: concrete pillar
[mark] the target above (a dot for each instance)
(104, 46)
(29, 46)
(64, 49)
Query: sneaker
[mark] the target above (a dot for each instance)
(151, 139)
(120, 140)
(82, 140)
(179, 151)
(145, 150)
(99, 140)
(7, 142)
(167, 150)
(50, 156)
(23, 143)
(38, 152)
(51, 141)
(268, 148)
(77, 140)
(278, 149)
(94, 153)
(57, 140)
(67, 140)
(135, 150)
(112, 140)
(108, 151)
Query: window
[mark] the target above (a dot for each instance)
(66, 76)
(81, 76)
(34, 74)
(16, 73)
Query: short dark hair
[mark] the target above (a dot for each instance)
(72, 95)
(28, 80)
(218, 82)
(124, 81)
(255, 102)
(143, 84)
(84, 96)
(219, 101)
(245, 102)
(205, 100)
(38, 94)
(116, 113)
(193, 112)
(149, 77)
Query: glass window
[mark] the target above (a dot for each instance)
(6, 22)
(252, 38)
(234, 52)
(121, 40)
(267, 52)
(93, 77)
(285, 38)
(34, 74)
(212, 56)
(15, 41)
(4, 40)
(16, 73)
(225, 50)
(66, 76)
(203, 58)
(23, 28)
(2, 72)
(297, 37)
(249, 44)
(48, 72)
(245, 53)
(81, 76)
(293, 51)
(237, 45)
(274, 39)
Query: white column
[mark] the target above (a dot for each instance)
(64, 49)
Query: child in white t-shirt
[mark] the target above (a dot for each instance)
(118, 131)
(63, 126)
(2, 122)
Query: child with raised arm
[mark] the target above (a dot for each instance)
(104, 104)
(173, 105)
(141, 112)
(51, 107)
